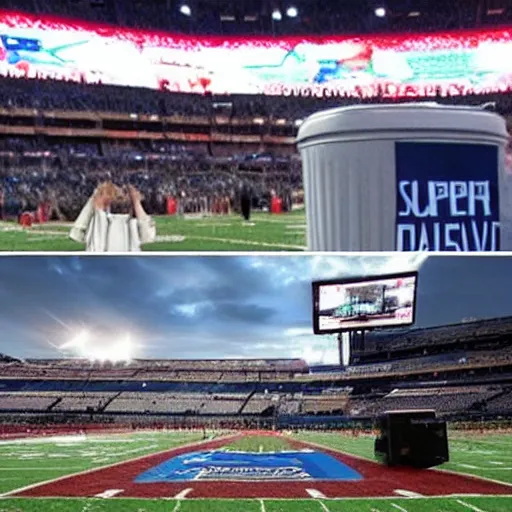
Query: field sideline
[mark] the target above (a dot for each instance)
(265, 232)
(28, 462)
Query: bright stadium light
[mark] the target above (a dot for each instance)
(185, 10)
(380, 12)
(276, 15)
(292, 12)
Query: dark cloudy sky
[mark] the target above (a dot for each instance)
(228, 306)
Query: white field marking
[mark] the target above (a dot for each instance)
(46, 232)
(109, 493)
(468, 505)
(296, 226)
(408, 494)
(213, 224)
(170, 238)
(468, 466)
(315, 493)
(324, 506)
(262, 506)
(261, 448)
(375, 510)
(495, 462)
(247, 242)
(398, 507)
(374, 498)
(183, 494)
(177, 506)
(115, 464)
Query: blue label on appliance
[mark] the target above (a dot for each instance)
(447, 197)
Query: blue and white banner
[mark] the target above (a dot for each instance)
(447, 197)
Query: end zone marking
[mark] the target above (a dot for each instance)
(109, 493)
(408, 494)
(314, 493)
(468, 505)
(182, 494)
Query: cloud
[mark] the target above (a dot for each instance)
(230, 306)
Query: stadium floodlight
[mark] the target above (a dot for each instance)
(292, 12)
(276, 15)
(185, 10)
(380, 12)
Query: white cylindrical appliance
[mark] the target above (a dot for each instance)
(406, 177)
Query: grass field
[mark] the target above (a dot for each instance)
(265, 232)
(26, 462)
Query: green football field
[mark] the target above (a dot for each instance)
(265, 232)
(27, 462)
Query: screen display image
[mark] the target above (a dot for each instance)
(364, 304)
(393, 66)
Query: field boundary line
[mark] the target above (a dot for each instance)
(115, 464)
(309, 500)
(468, 505)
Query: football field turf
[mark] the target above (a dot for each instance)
(65, 467)
(265, 232)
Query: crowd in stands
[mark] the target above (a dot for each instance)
(65, 175)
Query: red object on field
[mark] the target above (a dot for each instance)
(26, 219)
(276, 205)
(172, 206)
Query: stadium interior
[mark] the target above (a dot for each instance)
(464, 372)
(61, 138)
(189, 145)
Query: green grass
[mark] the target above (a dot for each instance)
(266, 232)
(57, 458)
(26, 463)
(495, 504)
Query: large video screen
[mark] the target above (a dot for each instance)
(394, 66)
(353, 305)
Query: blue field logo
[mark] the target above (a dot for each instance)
(223, 465)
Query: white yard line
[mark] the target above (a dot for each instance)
(115, 464)
(324, 506)
(262, 506)
(316, 494)
(182, 494)
(398, 507)
(408, 494)
(109, 493)
(468, 505)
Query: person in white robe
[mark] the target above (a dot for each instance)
(103, 231)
